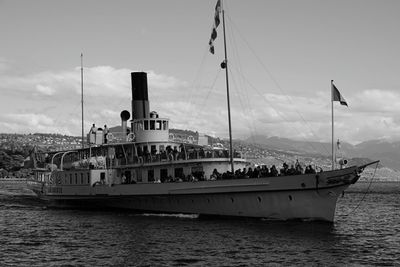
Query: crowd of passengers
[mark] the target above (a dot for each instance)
(263, 171)
(257, 172)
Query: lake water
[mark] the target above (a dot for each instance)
(366, 232)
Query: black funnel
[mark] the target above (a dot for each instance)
(140, 97)
(139, 86)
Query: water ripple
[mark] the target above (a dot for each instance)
(31, 235)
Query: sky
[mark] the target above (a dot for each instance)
(282, 56)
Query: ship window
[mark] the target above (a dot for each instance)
(152, 125)
(163, 175)
(150, 175)
(158, 125)
(81, 178)
(165, 125)
(76, 178)
(179, 173)
(88, 179)
(138, 175)
(146, 125)
(70, 178)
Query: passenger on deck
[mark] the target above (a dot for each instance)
(273, 171)
(249, 173)
(284, 170)
(215, 175)
(238, 173)
(175, 153)
(201, 153)
(105, 133)
(256, 172)
(299, 169)
(93, 129)
(309, 169)
(264, 171)
(291, 171)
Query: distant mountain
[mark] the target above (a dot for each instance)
(388, 152)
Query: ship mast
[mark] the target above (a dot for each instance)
(224, 65)
(82, 98)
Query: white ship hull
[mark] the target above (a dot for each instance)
(308, 196)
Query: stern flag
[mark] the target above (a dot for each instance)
(216, 23)
(336, 96)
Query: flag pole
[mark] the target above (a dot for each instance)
(225, 65)
(82, 99)
(333, 136)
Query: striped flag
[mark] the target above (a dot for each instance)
(336, 96)
(216, 23)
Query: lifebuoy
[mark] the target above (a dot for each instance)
(110, 137)
(131, 137)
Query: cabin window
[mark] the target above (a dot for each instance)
(81, 178)
(198, 173)
(152, 125)
(138, 175)
(179, 173)
(70, 178)
(76, 178)
(145, 149)
(88, 179)
(102, 177)
(158, 125)
(150, 175)
(165, 125)
(163, 175)
(146, 125)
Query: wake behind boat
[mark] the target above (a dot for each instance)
(145, 168)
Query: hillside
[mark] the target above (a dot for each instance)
(15, 148)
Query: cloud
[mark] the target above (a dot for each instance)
(54, 106)
(45, 90)
(27, 123)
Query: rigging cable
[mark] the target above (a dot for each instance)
(211, 88)
(195, 87)
(243, 93)
(276, 110)
(365, 193)
(275, 81)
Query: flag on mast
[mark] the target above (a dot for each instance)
(215, 25)
(336, 96)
